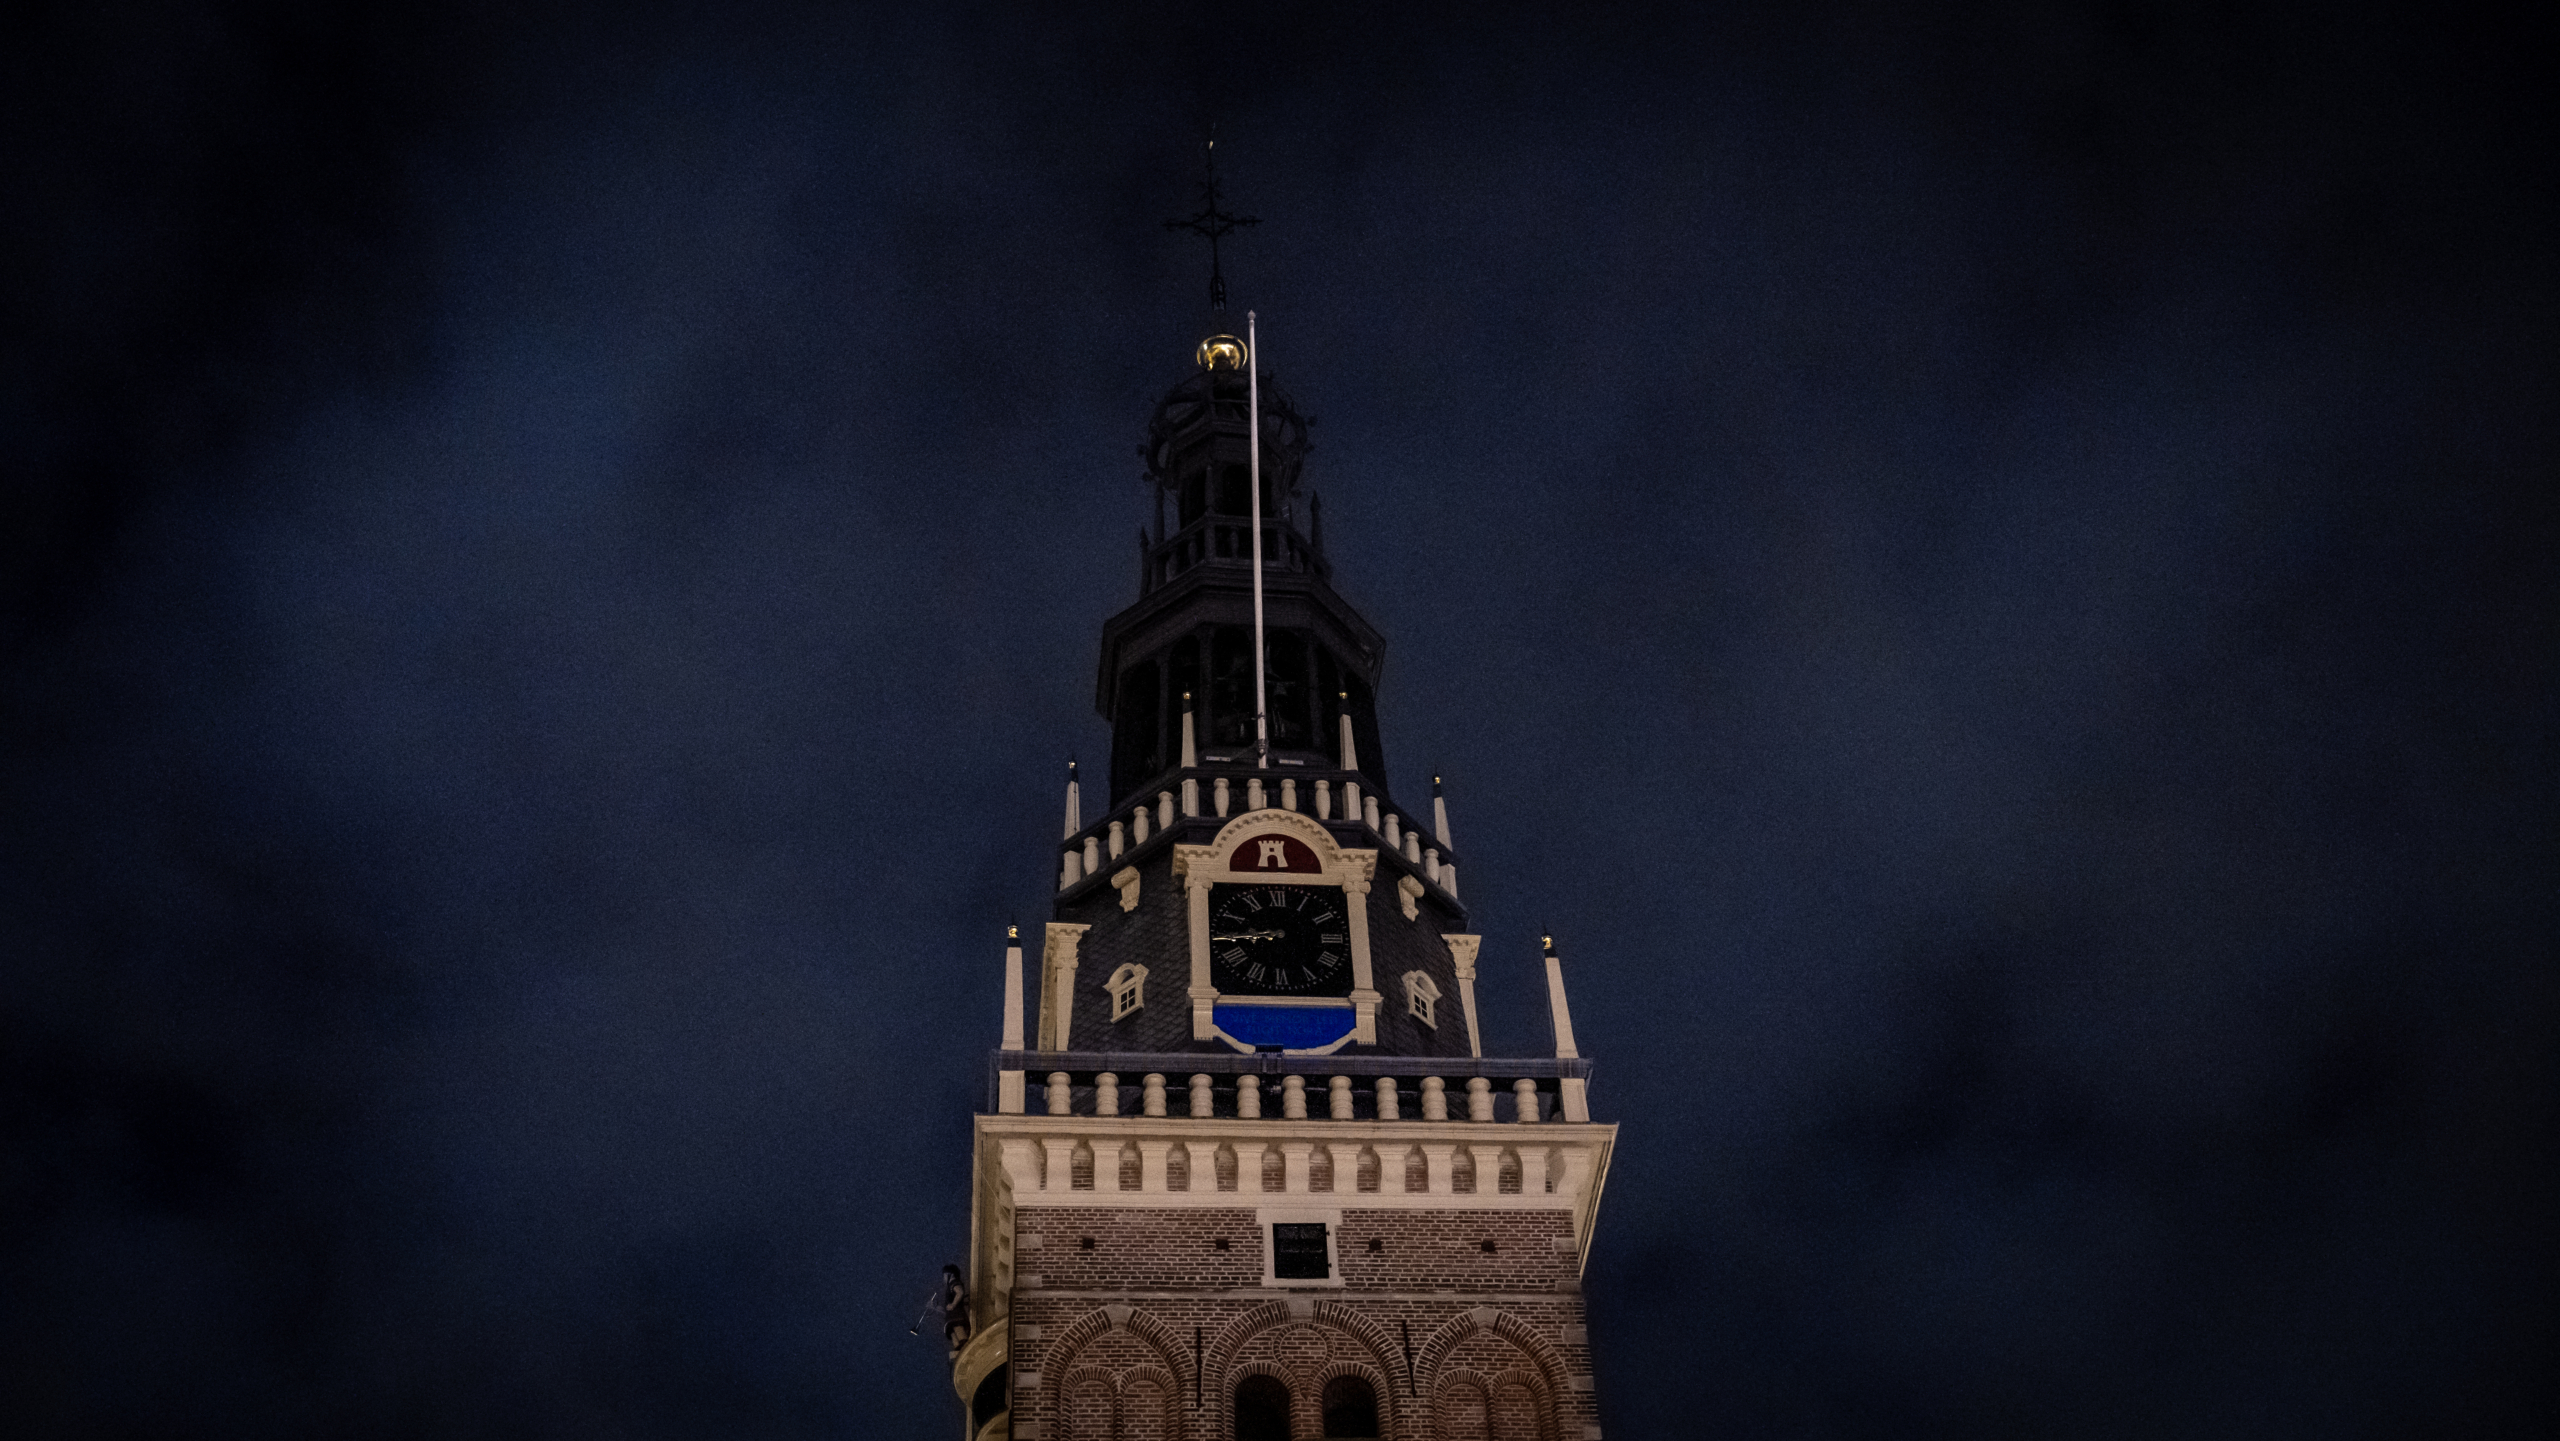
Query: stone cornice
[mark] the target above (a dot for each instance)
(1029, 1156)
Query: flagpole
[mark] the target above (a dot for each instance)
(1253, 402)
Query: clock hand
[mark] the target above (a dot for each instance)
(1247, 936)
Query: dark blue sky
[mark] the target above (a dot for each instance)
(1988, 573)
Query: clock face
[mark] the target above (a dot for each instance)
(1279, 940)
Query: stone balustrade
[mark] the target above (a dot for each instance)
(1204, 1086)
(1215, 793)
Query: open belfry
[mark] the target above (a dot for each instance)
(1245, 1171)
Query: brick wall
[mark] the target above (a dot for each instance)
(1497, 1336)
(1138, 1249)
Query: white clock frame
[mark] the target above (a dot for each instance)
(1200, 867)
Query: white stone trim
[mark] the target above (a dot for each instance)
(1126, 878)
(1330, 1217)
(1408, 894)
(1058, 982)
(1462, 952)
(1200, 867)
(1026, 1160)
(1559, 1016)
(1421, 997)
(1128, 988)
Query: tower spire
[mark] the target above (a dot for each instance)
(1212, 224)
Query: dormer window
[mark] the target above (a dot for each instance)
(1128, 987)
(1421, 995)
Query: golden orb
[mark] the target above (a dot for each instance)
(1222, 352)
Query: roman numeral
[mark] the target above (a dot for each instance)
(1255, 971)
(1232, 955)
(1333, 938)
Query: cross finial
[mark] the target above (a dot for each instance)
(1212, 223)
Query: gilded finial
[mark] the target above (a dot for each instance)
(1013, 933)
(1549, 942)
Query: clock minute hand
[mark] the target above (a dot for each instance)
(1247, 936)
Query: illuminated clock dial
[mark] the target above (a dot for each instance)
(1268, 940)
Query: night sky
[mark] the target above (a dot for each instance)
(1989, 574)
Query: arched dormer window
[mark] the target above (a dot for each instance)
(1128, 987)
(1421, 998)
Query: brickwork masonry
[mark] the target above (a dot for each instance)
(1132, 1322)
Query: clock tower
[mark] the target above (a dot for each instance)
(1245, 1170)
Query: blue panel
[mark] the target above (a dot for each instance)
(1296, 1027)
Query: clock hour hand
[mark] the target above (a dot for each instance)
(1246, 936)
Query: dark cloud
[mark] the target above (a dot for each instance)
(1988, 572)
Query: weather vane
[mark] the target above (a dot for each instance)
(1212, 223)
